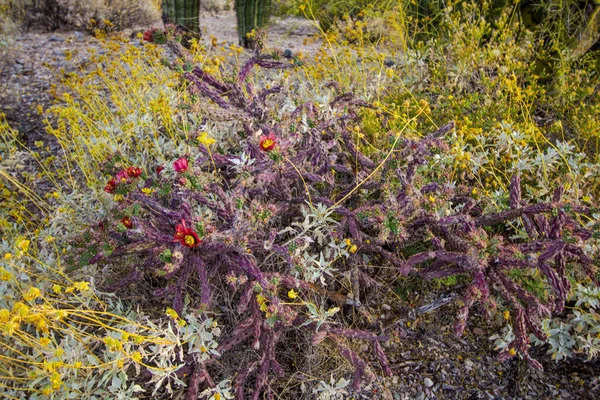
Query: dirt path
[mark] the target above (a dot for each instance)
(289, 33)
(26, 82)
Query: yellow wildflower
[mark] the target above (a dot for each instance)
(512, 352)
(41, 325)
(7, 256)
(82, 286)
(60, 314)
(47, 390)
(506, 315)
(261, 299)
(32, 294)
(172, 313)
(10, 327)
(23, 245)
(20, 309)
(45, 341)
(5, 275)
(292, 294)
(205, 139)
(4, 315)
(136, 356)
(56, 288)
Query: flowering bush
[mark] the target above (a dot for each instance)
(270, 204)
(288, 215)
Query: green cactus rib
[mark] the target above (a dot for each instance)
(183, 12)
(251, 14)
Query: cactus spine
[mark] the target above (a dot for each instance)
(183, 12)
(251, 14)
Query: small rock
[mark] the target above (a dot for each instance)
(55, 38)
(58, 52)
(389, 63)
(287, 53)
(386, 307)
(478, 331)
(78, 36)
(420, 395)
(469, 364)
(428, 382)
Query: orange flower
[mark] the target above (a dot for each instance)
(268, 142)
(127, 222)
(186, 235)
(111, 185)
(134, 172)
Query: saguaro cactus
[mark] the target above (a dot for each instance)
(182, 12)
(251, 14)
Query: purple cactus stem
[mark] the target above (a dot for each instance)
(515, 192)
(382, 358)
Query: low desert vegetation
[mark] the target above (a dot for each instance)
(209, 222)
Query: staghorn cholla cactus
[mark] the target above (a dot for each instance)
(251, 14)
(463, 246)
(245, 240)
(185, 13)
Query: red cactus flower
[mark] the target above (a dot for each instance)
(186, 236)
(127, 222)
(159, 169)
(134, 172)
(111, 185)
(149, 35)
(181, 165)
(122, 176)
(268, 142)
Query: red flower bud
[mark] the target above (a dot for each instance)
(122, 176)
(134, 172)
(127, 222)
(180, 165)
(149, 35)
(111, 185)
